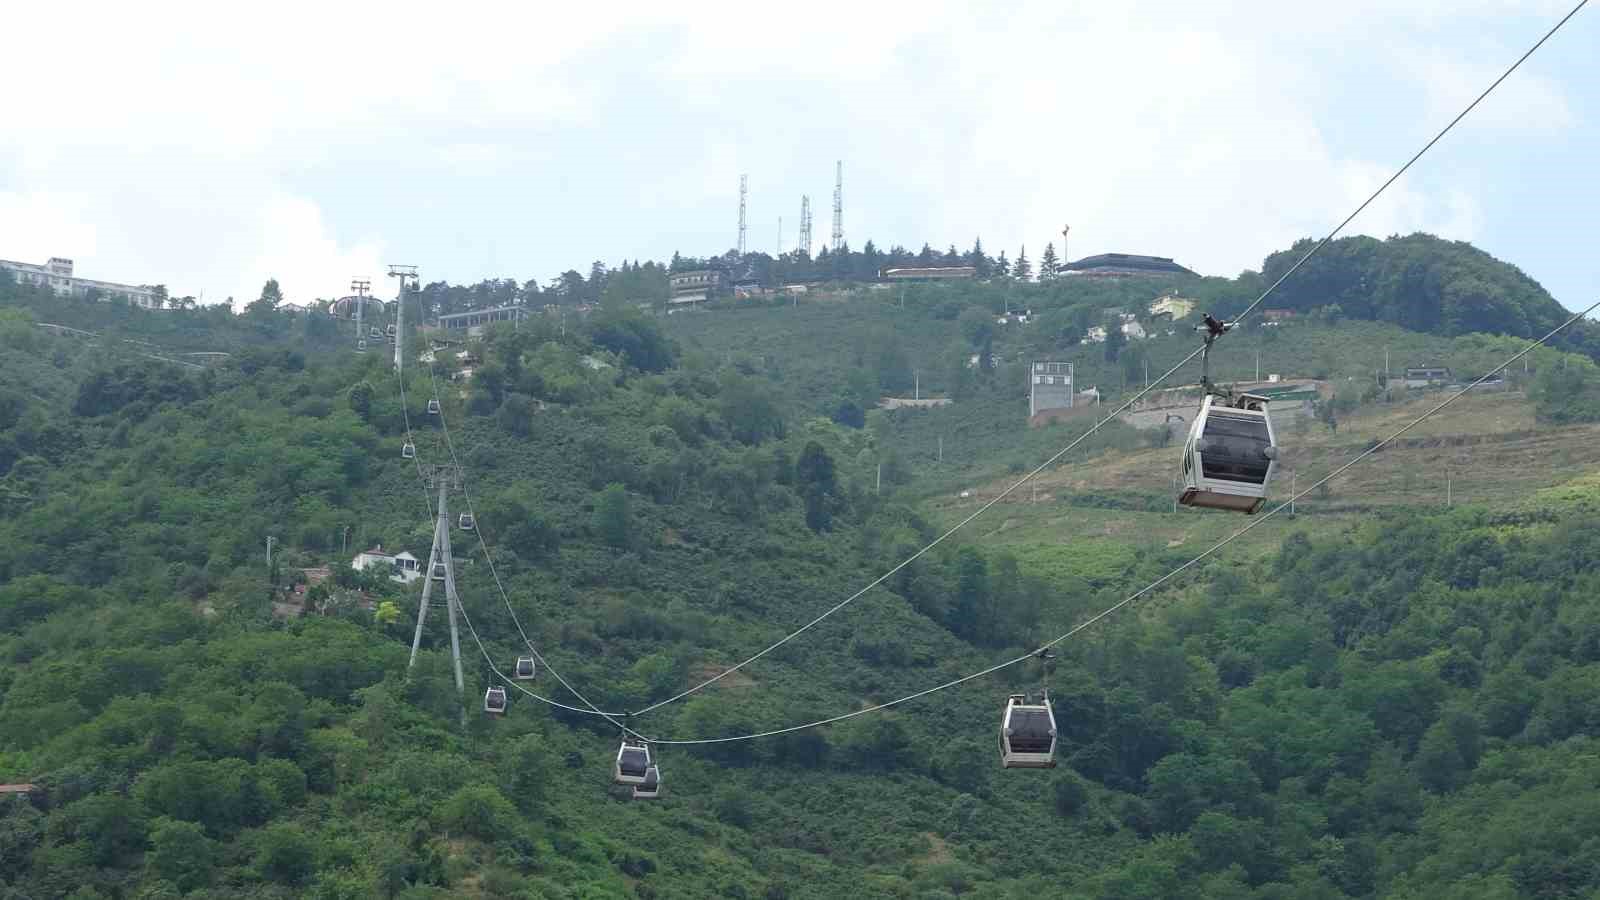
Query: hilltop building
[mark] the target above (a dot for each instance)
(472, 322)
(1123, 265)
(695, 286)
(57, 276)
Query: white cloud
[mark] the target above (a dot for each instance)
(211, 147)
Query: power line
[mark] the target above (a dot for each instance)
(1136, 397)
(428, 502)
(1076, 629)
(466, 497)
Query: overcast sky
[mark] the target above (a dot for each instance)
(209, 146)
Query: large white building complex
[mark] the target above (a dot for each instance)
(57, 276)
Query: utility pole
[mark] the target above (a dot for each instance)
(941, 448)
(344, 541)
(440, 560)
(877, 488)
(916, 391)
(1147, 374)
(1294, 489)
(1064, 257)
(780, 237)
(1258, 365)
(270, 539)
(405, 274)
(1449, 498)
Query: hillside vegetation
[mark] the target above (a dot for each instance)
(1394, 703)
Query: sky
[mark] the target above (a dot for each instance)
(208, 147)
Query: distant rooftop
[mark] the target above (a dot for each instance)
(1126, 263)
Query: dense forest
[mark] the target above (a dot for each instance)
(1402, 707)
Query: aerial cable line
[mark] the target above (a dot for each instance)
(1136, 397)
(461, 608)
(1081, 626)
(466, 496)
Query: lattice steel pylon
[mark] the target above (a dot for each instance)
(804, 245)
(744, 188)
(838, 205)
(441, 561)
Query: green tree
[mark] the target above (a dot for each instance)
(181, 853)
(271, 297)
(1022, 270)
(613, 516)
(284, 854)
(1049, 265)
(360, 399)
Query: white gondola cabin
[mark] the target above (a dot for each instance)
(438, 571)
(361, 345)
(651, 788)
(494, 701)
(389, 330)
(633, 763)
(525, 669)
(433, 407)
(373, 332)
(466, 522)
(1027, 734)
(1229, 456)
(409, 451)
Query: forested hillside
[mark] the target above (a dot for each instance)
(1401, 705)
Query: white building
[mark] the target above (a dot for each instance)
(57, 276)
(404, 566)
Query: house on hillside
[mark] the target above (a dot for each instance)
(1425, 376)
(928, 273)
(1277, 315)
(1171, 306)
(402, 566)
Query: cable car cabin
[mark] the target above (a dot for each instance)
(409, 451)
(373, 332)
(633, 763)
(361, 346)
(466, 522)
(651, 788)
(494, 701)
(438, 571)
(524, 670)
(1229, 456)
(1027, 734)
(389, 329)
(433, 407)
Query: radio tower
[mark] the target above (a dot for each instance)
(744, 188)
(838, 205)
(805, 226)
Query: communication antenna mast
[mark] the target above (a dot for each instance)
(780, 235)
(805, 225)
(360, 287)
(838, 205)
(1064, 257)
(405, 274)
(744, 188)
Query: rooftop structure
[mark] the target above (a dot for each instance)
(475, 320)
(404, 565)
(1123, 265)
(929, 273)
(57, 276)
(695, 285)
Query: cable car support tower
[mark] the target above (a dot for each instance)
(442, 569)
(407, 275)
